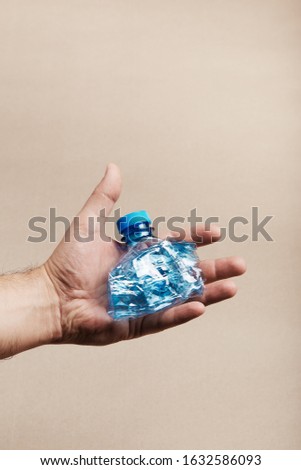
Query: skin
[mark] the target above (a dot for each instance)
(65, 300)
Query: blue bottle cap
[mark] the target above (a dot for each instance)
(131, 220)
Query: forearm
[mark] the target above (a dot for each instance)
(29, 312)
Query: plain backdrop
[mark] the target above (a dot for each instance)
(198, 101)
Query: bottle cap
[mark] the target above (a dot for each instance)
(132, 220)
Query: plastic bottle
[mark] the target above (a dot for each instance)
(153, 274)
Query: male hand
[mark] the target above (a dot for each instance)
(78, 272)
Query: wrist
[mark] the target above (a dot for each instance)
(50, 306)
(29, 312)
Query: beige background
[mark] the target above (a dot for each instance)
(199, 103)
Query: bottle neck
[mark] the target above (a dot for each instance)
(137, 233)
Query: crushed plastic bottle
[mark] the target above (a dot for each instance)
(153, 274)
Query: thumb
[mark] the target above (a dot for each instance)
(106, 193)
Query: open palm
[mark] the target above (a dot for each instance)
(79, 272)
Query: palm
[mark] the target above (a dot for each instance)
(79, 272)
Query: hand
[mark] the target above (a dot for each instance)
(79, 272)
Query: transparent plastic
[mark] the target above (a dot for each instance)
(153, 275)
